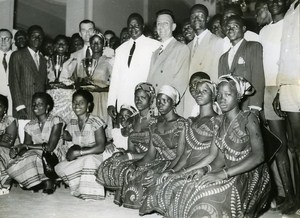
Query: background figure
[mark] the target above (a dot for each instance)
(60, 86)
(124, 35)
(86, 132)
(76, 43)
(43, 133)
(21, 39)
(131, 66)
(28, 74)
(205, 51)
(187, 31)
(108, 34)
(5, 53)
(214, 25)
(287, 100)
(270, 38)
(262, 13)
(169, 63)
(244, 59)
(8, 135)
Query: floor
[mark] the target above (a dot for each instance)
(19, 203)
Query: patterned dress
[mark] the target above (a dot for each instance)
(111, 171)
(243, 195)
(198, 136)
(4, 152)
(166, 146)
(27, 169)
(79, 174)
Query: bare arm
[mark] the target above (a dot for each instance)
(8, 139)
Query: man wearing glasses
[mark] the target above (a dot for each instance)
(5, 52)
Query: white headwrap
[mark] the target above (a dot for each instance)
(171, 92)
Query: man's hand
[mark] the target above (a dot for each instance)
(22, 114)
(112, 111)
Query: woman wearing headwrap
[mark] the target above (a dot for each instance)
(165, 148)
(111, 172)
(198, 137)
(232, 180)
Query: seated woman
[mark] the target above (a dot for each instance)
(232, 181)
(8, 135)
(42, 133)
(165, 148)
(198, 137)
(60, 86)
(83, 158)
(110, 172)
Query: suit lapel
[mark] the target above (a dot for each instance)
(30, 61)
(238, 54)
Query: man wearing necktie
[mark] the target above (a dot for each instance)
(131, 66)
(27, 74)
(5, 52)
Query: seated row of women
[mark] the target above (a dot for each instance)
(209, 165)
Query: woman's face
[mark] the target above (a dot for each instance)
(227, 97)
(39, 107)
(193, 85)
(164, 104)
(80, 105)
(61, 47)
(96, 45)
(142, 100)
(3, 109)
(203, 94)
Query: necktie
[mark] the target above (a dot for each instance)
(131, 53)
(36, 60)
(195, 46)
(160, 49)
(88, 52)
(4, 62)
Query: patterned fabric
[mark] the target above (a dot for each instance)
(198, 136)
(4, 152)
(165, 144)
(243, 195)
(79, 174)
(111, 171)
(27, 169)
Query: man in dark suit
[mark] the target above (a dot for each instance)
(244, 59)
(28, 74)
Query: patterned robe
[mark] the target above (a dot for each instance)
(198, 138)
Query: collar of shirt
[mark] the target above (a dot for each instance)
(33, 53)
(131, 40)
(166, 43)
(236, 47)
(198, 39)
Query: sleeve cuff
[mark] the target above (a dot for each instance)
(20, 107)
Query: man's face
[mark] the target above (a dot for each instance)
(234, 30)
(165, 26)
(276, 6)
(35, 39)
(6, 41)
(263, 15)
(188, 32)
(86, 31)
(135, 28)
(198, 19)
(20, 40)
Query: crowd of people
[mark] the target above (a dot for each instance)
(167, 123)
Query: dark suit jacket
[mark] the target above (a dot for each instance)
(248, 63)
(25, 79)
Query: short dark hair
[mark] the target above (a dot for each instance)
(200, 74)
(4, 101)
(237, 18)
(109, 32)
(87, 96)
(6, 30)
(46, 97)
(20, 32)
(236, 9)
(137, 16)
(34, 28)
(59, 37)
(85, 22)
(200, 6)
(166, 11)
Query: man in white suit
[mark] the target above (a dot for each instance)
(131, 66)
